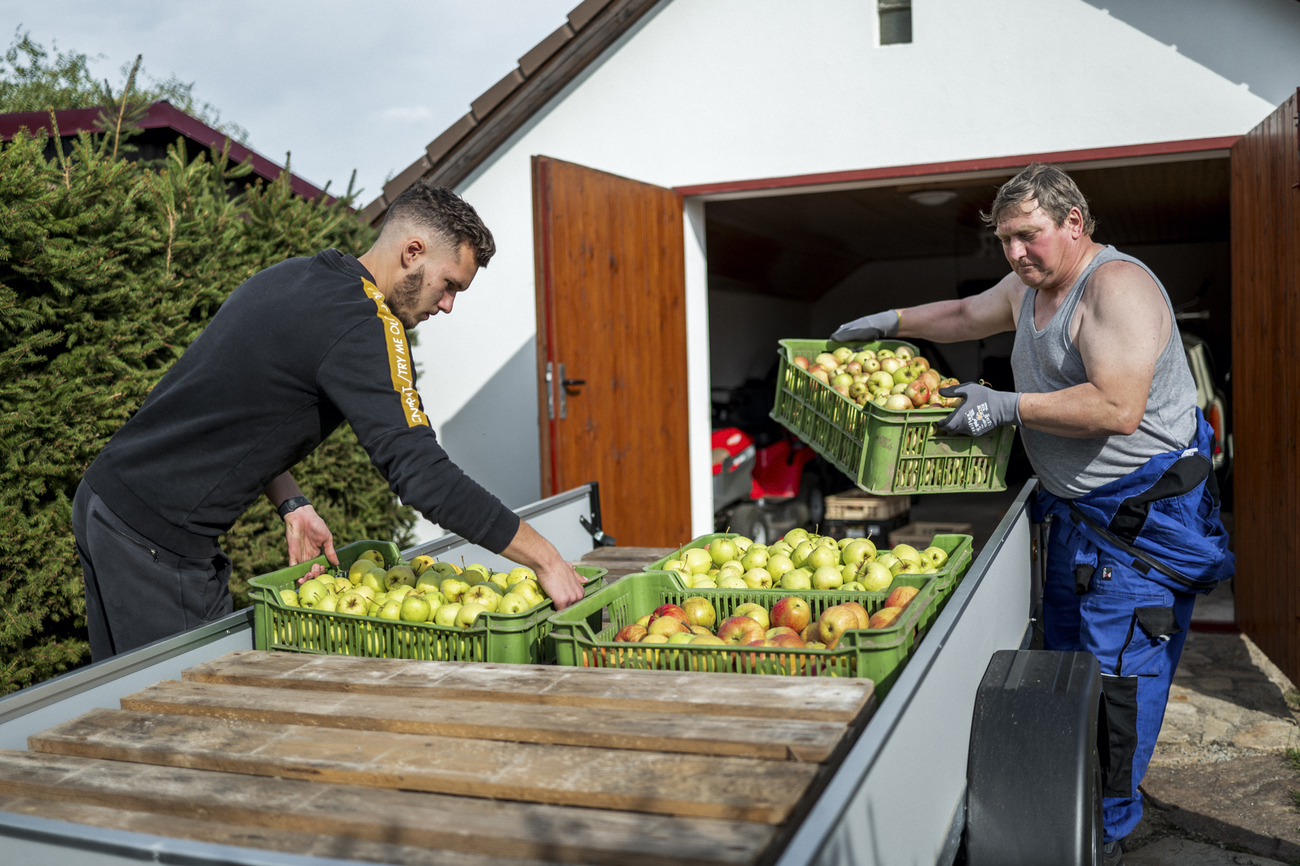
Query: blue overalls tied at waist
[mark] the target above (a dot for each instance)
(1124, 565)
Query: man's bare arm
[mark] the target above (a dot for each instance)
(990, 312)
(557, 577)
(1124, 325)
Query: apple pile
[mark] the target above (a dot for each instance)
(789, 623)
(801, 561)
(890, 378)
(421, 591)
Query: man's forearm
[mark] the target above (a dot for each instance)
(281, 489)
(1080, 412)
(941, 322)
(531, 549)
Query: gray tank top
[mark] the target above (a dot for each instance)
(1047, 360)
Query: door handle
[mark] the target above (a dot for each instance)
(573, 383)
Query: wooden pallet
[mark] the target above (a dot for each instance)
(856, 506)
(422, 762)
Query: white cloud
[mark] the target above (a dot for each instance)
(412, 114)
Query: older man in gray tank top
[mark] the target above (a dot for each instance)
(1107, 409)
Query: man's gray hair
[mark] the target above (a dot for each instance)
(1053, 189)
(446, 216)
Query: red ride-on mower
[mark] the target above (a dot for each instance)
(763, 493)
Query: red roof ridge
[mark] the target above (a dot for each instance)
(161, 115)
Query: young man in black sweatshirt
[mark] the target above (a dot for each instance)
(293, 352)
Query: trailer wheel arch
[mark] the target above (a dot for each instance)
(1038, 716)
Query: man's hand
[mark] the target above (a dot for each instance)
(981, 409)
(868, 328)
(307, 534)
(562, 583)
(557, 577)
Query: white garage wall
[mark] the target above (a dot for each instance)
(714, 90)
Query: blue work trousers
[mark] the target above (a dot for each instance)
(1115, 620)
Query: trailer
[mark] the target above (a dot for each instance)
(983, 747)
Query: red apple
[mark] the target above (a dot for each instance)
(833, 622)
(863, 616)
(901, 597)
(801, 362)
(630, 633)
(884, 617)
(670, 610)
(789, 640)
(809, 634)
(740, 630)
(792, 612)
(780, 629)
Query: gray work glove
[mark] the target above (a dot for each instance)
(981, 409)
(868, 328)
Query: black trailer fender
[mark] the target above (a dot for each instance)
(1033, 775)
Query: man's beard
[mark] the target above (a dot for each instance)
(405, 296)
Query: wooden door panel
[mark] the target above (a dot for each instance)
(611, 309)
(1266, 384)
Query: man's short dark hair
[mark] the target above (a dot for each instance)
(446, 215)
(1053, 189)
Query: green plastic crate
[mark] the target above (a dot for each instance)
(875, 654)
(884, 452)
(521, 638)
(958, 547)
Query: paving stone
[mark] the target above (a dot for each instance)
(1183, 852)
(1244, 803)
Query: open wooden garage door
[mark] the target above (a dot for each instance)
(1266, 383)
(611, 348)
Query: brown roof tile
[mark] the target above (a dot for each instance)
(413, 172)
(450, 137)
(497, 92)
(372, 211)
(543, 51)
(585, 11)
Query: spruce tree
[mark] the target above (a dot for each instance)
(108, 270)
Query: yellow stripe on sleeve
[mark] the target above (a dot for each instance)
(399, 358)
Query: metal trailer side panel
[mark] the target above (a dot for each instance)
(556, 518)
(899, 796)
(31, 841)
(103, 684)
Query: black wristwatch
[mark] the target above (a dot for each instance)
(292, 503)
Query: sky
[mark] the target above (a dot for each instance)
(342, 85)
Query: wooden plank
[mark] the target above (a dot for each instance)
(811, 699)
(260, 838)
(743, 789)
(644, 555)
(368, 816)
(645, 730)
(622, 561)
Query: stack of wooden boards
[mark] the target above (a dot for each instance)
(446, 762)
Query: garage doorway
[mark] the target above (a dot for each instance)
(796, 257)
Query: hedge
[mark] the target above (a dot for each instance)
(108, 270)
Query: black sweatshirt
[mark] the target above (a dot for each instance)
(292, 352)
